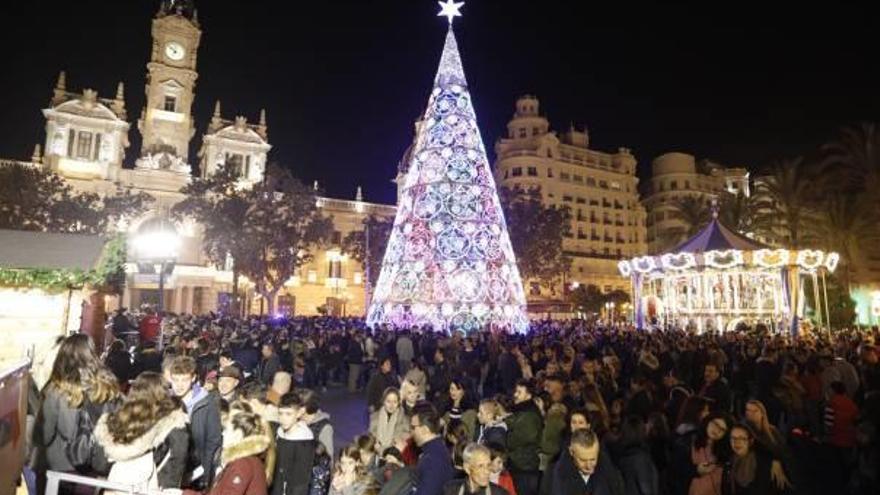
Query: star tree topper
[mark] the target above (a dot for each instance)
(450, 9)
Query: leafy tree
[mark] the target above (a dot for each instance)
(536, 233)
(855, 157)
(693, 213)
(355, 245)
(285, 223)
(34, 198)
(221, 207)
(587, 298)
(268, 230)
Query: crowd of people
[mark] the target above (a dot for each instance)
(222, 405)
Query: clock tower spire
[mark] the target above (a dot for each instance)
(166, 123)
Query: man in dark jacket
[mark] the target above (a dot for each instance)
(354, 356)
(294, 448)
(586, 470)
(204, 418)
(715, 389)
(434, 468)
(269, 365)
(477, 462)
(524, 428)
(381, 380)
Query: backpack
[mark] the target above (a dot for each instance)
(82, 450)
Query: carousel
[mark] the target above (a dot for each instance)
(719, 279)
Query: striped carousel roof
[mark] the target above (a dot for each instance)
(716, 237)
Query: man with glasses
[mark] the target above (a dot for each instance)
(477, 463)
(435, 467)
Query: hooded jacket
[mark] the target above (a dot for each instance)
(243, 472)
(323, 430)
(155, 459)
(206, 430)
(295, 455)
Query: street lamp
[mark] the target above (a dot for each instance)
(158, 245)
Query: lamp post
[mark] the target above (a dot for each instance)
(159, 247)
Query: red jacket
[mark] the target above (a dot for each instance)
(243, 472)
(245, 476)
(149, 328)
(842, 413)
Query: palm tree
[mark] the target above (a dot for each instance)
(847, 224)
(744, 214)
(787, 192)
(693, 213)
(857, 153)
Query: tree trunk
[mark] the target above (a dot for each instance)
(235, 306)
(270, 299)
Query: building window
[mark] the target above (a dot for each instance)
(517, 171)
(84, 144)
(312, 276)
(334, 268)
(566, 198)
(535, 131)
(71, 137)
(578, 178)
(581, 201)
(170, 104)
(337, 237)
(603, 184)
(550, 173)
(522, 132)
(532, 171)
(506, 174)
(687, 185)
(97, 147)
(564, 176)
(673, 185)
(660, 187)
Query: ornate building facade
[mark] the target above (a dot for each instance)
(600, 189)
(86, 142)
(677, 175)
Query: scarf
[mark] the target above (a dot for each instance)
(386, 425)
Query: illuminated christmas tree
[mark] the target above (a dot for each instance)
(449, 263)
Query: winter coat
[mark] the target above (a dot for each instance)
(154, 460)
(434, 468)
(523, 437)
(268, 367)
(243, 472)
(294, 457)
(495, 433)
(638, 471)
(206, 430)
(386, 430)
(762, 484)
(120, 364)
(56, 428)
(605, 480)
(460, 487)
(404, 348)
(322, 429)
(841, 414)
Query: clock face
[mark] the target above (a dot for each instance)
(174, 50)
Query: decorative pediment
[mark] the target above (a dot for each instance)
(87, 106)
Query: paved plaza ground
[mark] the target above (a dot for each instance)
(348, 413)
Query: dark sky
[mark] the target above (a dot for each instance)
(343, 81)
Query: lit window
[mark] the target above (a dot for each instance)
(312, 276)
(84, 144)
(358, 278)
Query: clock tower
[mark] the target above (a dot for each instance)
(166, 123)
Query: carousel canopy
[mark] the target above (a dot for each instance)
(716, 237)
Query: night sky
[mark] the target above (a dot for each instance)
(343, 81)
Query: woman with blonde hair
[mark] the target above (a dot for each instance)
(147, 438)
(389, 422)
(77, 391)
(349, 474)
